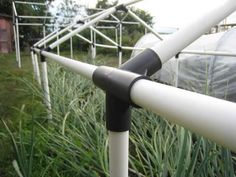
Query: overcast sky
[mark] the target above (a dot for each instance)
(173, 13)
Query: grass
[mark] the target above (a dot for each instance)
(75, 143)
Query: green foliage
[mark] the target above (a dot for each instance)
(75, 143)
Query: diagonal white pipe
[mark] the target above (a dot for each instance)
(171, 46)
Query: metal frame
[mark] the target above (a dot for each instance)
(172, 103)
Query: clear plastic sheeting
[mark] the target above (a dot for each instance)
(206, 74)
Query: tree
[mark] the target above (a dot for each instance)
(69, 10)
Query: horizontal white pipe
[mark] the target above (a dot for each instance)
(172, 45)
(117, 22)
(106, 46)
(145, 24)
(210, 117)
(215, 53)
(132, 48)
(118, 153)
(129, 23)
(30, 3)
(83, 69)
(105, 27)
(36, 17)
(104, 36)
(39, 24)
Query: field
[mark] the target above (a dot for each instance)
(75, 142)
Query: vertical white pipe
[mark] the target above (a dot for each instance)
(119, 153)
(46, 93)
(176, 71)
(94, 47)
(92, 43)
(33, 63)
(44, 33)
(16, 46)
(120, 43)
(58, 47)
(37, 68)
(120, 58)
(18, 43)
(71, 48)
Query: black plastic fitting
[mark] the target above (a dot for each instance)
(119, 48)
(177, 55)
(116, 82)
(43, 58)
(80, 22)
(145, 63)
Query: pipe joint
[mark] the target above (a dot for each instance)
(116, 82)
(43, 58)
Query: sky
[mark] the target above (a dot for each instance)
(173, 13)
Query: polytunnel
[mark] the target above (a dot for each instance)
(207, 74)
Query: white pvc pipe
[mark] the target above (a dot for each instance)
(92, 44)
(58, 47)
(37, 69)
(49, 35)
(106, 46)
(132, 48)
(120, 42)
(36, 17)
(145, 25)
(44, 34)
(103, 14)
(83, 27)
(85, 39)
(16, 47)
(30, 3)
(33, 63)
(105, 27)
(46, 93)
(95, 40)
(215, 53)
(172, 45)
(210, 117)
(130, 23)
(14, 8)
(103, 35)
(176, 72)
(118, 153)
(71, 48)
(83, 69)
(39, 24)
(18, 43)
(120, 58)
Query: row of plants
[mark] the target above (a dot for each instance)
(75, 142)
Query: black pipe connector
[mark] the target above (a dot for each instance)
(116, 82)
(43, 58)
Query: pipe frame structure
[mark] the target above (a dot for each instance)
(140, 92)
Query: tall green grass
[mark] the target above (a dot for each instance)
(75, 143)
